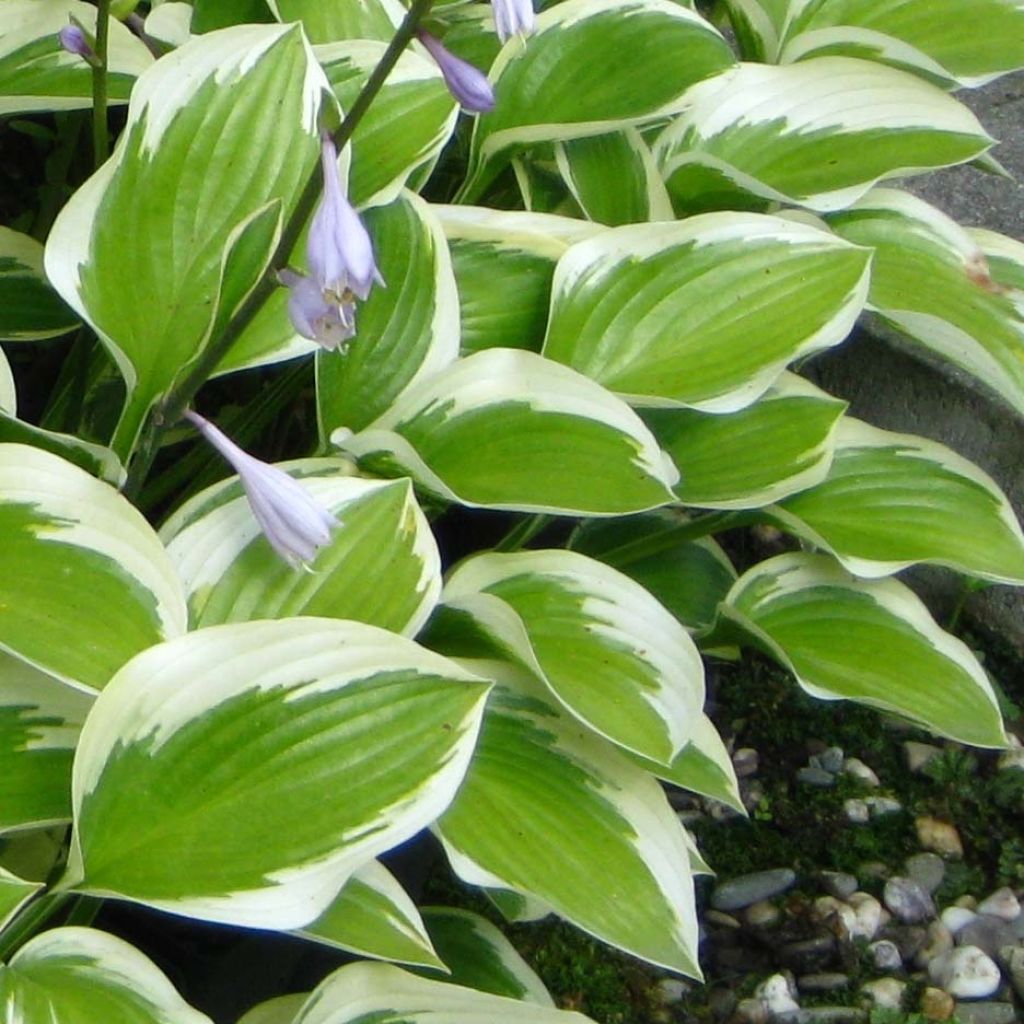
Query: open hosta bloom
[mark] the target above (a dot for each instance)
(330, 324)
(294, 524)
(512, 17)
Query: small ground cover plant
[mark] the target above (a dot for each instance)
(570, 317)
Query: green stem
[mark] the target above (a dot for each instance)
(174, 404)
(665, 540)
(100, 127)
(29, 920)
(523, 532)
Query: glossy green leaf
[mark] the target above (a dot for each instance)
(931, 280)
(779, 445)
(1004, 257)
(381, 566)
(507, 429)
(504, 262)
(604, 646)
(354, 740)
(15, 892)
(73, 549)
(29, 307)
(480, 957)
(547, 808)
(74, 975)
(591, 67)
(36, 73)
(891, 500)
(661, 314)
(169, 235)
(817, 134)
(871, 642)
(324, 21)
(279, 1010)
(40, 719)
(689, 577)
(373, 916)
(759, 26)
(380, 993)
(96, 459)
(406, 331)
(8, 394)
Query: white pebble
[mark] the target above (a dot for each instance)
(856, 811)
(868, 913)
(835, 912)
(879, 805)
(1002, 904)
(965, 972)
(859, 770)
(775, 996)
(939, 836)
(955, 918)
(884, 993)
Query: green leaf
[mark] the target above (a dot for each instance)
(15, 892)
(504, 262)
(661, 313)
(508, 429)
(36, 73)
(146, 248)
(480, 957)
(872, 642)
(279, 1010)
(96, 459)
(324, 21)
(29, 307)
(546, 808)
(354, 740)
(968, 45)
(379, 993)
(40, 719)
(8, 394)
(1004, 257)
(373, 916)
(73, 549)
(817, 134)
(759, 26)
(892, 500)
(602, 644)
(408, 124)
(591, 67)
(689, 577)
(930, 279)
(381, 566)
(213, 14)
(779, 445)
(72, 975)
(614, 178)
(406, 331)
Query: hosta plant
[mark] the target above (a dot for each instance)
(362, 459)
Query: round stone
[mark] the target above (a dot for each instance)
(955, 918)
(918, 755)
(1002, 903)
(868, 913)
(936, 1004)
(812, 776)
(884, 993)
(745, 762)
(939, 836)
(859, 770)
(826, 981)
(988, 933)
(762, 914)
(908, 900)
(881, 805)
(886, 955)
(857, 811)
(927, 869)
(965, 972)
(774, 994)
(832, 759)
(839, 884)
(986, 1013)
(742, 891)
(1014, 960)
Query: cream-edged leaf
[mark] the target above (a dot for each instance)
(325, 21)
(96, 459)
(15, 892)
(8, 393)
(279, 1010)
(29, 307)
(354, 740)
(871, 642)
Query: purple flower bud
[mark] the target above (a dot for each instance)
(512, 17)
(329, 324)
(338, 249)
(468, 84)
(74, 40)
(294, 524)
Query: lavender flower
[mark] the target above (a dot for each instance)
(72, 38)
(512, 17)
(330, 324)
(468, 84)
(294, 524)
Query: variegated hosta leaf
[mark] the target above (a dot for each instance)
(407, 124)
(504, 261)
(703, 766)
(508, 429)
(37, 73)
(381, 567)
(96, 459)
(8, 394)
(29, 307)
(15, 892)
(614, 178)
(279, 1010)
(652, 311)
(406, 331)
(365, 993)
(480, 957)
(591, 67)
(546, 808)
(86, 584)
(325, 21)
(942, 39)
(818, 133)
(930, 279)
(169, 235)
(40, 719)
(275, 758)
(759, 26)
(72, 975)
(779, 445)
(689, 577)
(171, 22)
(1005, 259)
(891, 500)
(374, 916)
(603, 645)
(872, 642)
